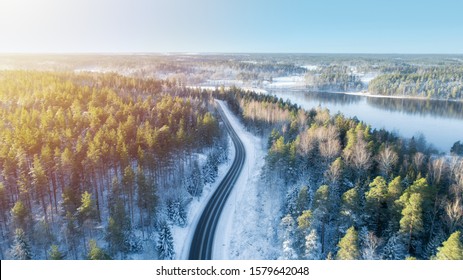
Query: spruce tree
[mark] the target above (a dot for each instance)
(21, 249)
(176, 212)
(195, 182)
(95, 252)
(165, 245)
(54, 253)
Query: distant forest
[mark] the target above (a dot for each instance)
(426, 82)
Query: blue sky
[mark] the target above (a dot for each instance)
(329, 26)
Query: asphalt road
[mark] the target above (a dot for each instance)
(203, 238)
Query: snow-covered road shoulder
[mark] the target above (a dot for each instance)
(240, 212)
(184, 236)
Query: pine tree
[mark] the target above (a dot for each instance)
(302, 202)
(40, 182)
(165, 245)
(147, 198)
(119, 224)
(375, 198)
(71, 232)
(394, 189)
(21, 249)
(87, 208)
(54, 253)
(128, 182)
(412, 221)
(350, 206)
(118, 230)
(304, 220)
(452, 249)
(20, 215)
(348, 246)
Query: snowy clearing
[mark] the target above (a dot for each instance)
(287, 82)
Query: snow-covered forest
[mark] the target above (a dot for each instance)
(346, 191)
(114, 157)
(99, 165)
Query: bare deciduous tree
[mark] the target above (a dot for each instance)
(454, 214)
(387, 159)
(330, 145)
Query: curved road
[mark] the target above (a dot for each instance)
(203, 238)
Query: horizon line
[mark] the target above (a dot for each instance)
(165, 53)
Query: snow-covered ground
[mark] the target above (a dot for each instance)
(183, 236)
(246, 224)
(310, 67)
(367, 77)
(254, 89)
(286, 82)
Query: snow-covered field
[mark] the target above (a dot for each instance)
(245, 227)
(310, 67)
(286, 82)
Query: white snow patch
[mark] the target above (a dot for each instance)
(287, 82)
(367, 77)
(310, 67)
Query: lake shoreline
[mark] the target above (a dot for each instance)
(367, 94)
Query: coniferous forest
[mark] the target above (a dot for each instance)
(106, 158)
(99, 166)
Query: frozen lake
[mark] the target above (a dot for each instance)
(441, 122)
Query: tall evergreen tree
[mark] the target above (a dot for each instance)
(412, 220)
(21, 215)
(21, 249)
(147, 198)
(375, 200)
(176, 212)
(452, 249)
(95, 252)
(54, 253)
(195, 183)
(165, 245)
(348, 246)
(302, 202)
